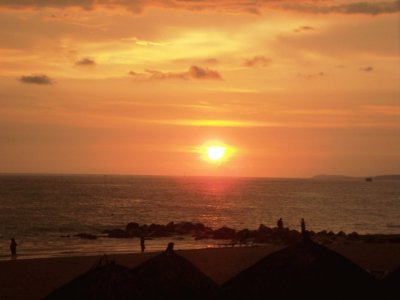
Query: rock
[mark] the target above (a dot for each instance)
(119, 233)
(157, 230)
(184, 227)
(132, 226)
(311, 233)
(264, 229)
(224, 233)
(353, 236)
(170, 226)
(86, 236)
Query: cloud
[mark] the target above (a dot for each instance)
(85, 4)
(36, 79)
(303, 29)
(86, 62)
(203, 73)
(212, 123)
(194, 72)
(210, 61)
(366, 8)
(312, 75)
(367, 69)
(253, 7)
(257, 61)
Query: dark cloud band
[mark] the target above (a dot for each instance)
(36, 79)
(306, 6)
(194, 72)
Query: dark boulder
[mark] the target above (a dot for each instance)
(157, 230)
(132, 226)
(119, 233)
(184, 228)
(86, 236)
(224, 233)
(264, 229)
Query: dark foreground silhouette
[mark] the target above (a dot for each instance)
(106, 280)
(304, 270)
(166, 276)
(391, 285)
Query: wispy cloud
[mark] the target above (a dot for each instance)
(210, 61)
(311, 75)
(194, 72)
(367, 69)
(257, 61)
(366, 8)
(253, 7)
(36, 79)
(303, 29)
(211, 123)
(86, 62)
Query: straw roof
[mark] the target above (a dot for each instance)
(305, 270)
(391, 284)
(105, 281)
(170, 276)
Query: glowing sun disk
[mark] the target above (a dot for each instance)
(216, 152)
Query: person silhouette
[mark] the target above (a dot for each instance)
(303, 228)
(13, 247)
(142, 246)
(280, 224)
(170, 248)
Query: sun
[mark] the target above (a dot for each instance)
(216, 152)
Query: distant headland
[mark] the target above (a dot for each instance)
(344, 177)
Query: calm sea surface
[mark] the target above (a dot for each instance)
(41, 211)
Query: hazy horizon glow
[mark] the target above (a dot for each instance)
(296, 88)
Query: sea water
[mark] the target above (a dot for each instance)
(45, 212)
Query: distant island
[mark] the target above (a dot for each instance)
(387, 177)
(344, 177)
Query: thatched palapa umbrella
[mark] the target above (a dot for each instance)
(305, 270)
(391, 285)
(170, 276)
(105, 281)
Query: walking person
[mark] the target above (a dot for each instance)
(13, 247)
(142, 246)
(303, 228)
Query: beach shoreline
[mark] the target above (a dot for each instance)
(35, 278)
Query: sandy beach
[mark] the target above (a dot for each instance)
(35, 278)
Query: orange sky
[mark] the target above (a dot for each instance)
(297, 88)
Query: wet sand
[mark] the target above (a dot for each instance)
(35, 278)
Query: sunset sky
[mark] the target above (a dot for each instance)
(293, 88)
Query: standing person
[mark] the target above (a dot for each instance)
(142, 246)
(13, 247)
(280, 224)
(303, 228)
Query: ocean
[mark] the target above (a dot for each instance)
(44, 212)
